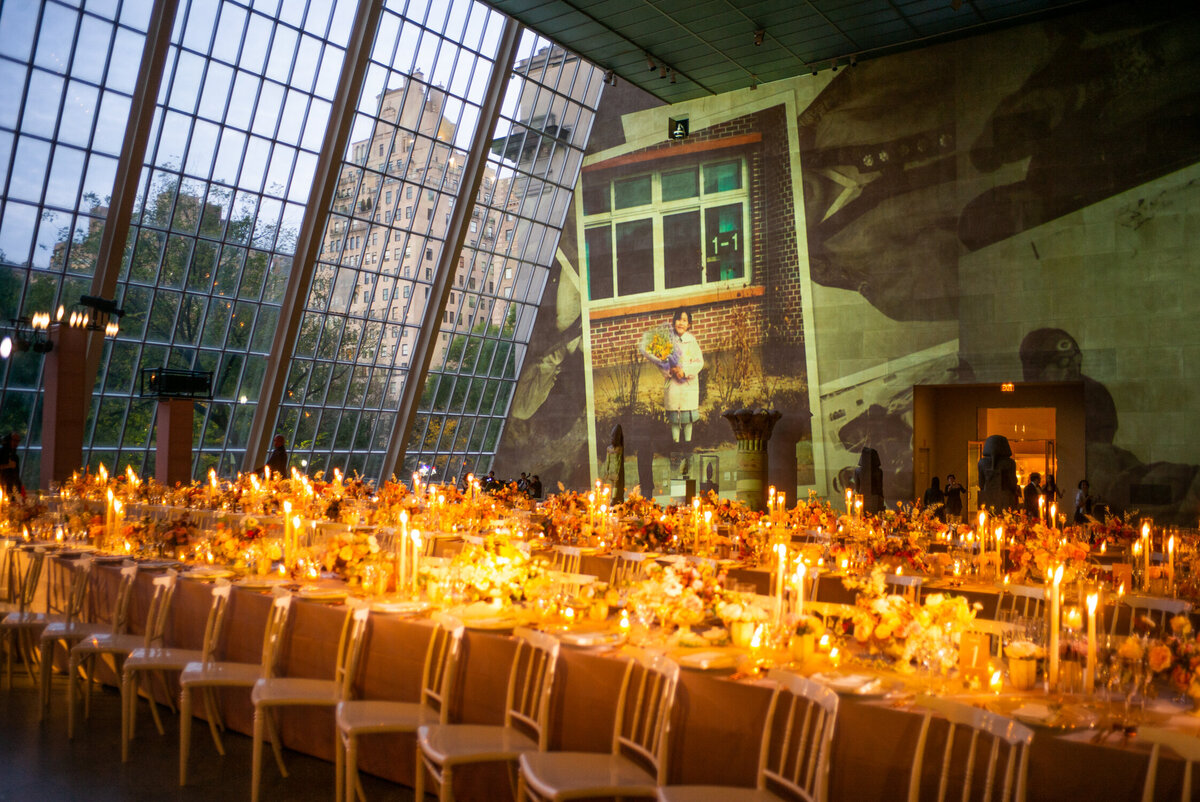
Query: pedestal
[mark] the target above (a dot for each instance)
(173, 458)
(753, 429)
(64, 413)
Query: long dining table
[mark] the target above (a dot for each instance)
(716, 727)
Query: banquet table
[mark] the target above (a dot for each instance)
(715, 733)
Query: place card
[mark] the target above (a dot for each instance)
(973, 652)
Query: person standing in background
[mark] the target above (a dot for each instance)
(954, 501)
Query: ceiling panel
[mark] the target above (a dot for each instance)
(713, 41)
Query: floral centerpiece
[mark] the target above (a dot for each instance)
(346, 554)
(496, 571)
(1042, 550)
(683, 593)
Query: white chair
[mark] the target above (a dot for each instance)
(1186, 745)
(24, 626)
(1155, 608)
(155, 659)
(271, 693)
(118, 643)
(567, 559)
(908, 585)
(16, 626)
(210, 674)
(996, 631)
(442, 748)
(359, 717)
(628, 566)
(1001, 731)
(798, 768)
(637, 764)
(832, 610)
(1026, 601)
(67, 630)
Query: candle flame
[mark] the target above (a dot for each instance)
(1092, 600)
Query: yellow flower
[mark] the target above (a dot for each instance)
(346, 554)
(1130, 649)
(1181, 625)
(1160, 657)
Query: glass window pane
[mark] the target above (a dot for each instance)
(630, 192)
(680, 184)
(722, 177)
(682, 266)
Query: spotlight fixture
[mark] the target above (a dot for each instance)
(650, 63)
(662, 71)
(814, 69)
(854, 61)
(759, 35)
(672, 76)
(834, 65)
(753, 83)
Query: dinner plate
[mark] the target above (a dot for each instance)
(206, 574)
(101, 559)
(708, 659)
(327, 595)
(157, 565)
(400, 606)
(866, 686)
(261, 582)
(1058, 717)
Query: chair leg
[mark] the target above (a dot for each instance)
(45, 664)
(276, 745)
(185, 731)
(214, 720)
(339, 772)
(446, 787)
(153, 701)
(348, 746)
(256, 753)
(419, 777)
(128, 691)
(522, 787)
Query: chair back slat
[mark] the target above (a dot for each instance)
(350, 647)
(530, 684)
(29, 579)
(160, 606)
(1185, 745)
(567, 559)
(644, 707)
(1004, 735)
(440, 672)
(277, 618)
(627, 566)
(120, 615)
(216, 619)
(79, 588)
(796, 763)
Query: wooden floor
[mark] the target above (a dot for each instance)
(39, 764)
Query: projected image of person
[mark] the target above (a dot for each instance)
(677, 354)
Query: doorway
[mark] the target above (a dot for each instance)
(1044, 424)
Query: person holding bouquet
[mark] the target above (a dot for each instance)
(677, 354)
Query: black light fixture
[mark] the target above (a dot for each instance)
(650, 63)
(834, 65)
(759, 35)
(101, 316)
(672, 76)
(27, 334)
(854, 60)
(813, 67)
(662, 71)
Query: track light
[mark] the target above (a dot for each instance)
(662, 71)
(834, 65)
(854, 61)
(759, 35)
(672, 76)
(650, 63)
(753, 83)
(814, 69)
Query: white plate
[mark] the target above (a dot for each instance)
(261, 582)
(207, 574)
(865, 685)
(585, 639)
(329, 595)
(400, 606)
(708, 659)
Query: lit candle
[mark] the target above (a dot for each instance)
(416, 558)
(1089, 676)
(1055, 600)
(1042, 508)
(1053, 515)
(1146, 538)
(780, 569)
(1171, 563)
(801, 569)
(849, 501)
(288, 555)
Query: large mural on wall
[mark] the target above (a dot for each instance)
(1015, 207)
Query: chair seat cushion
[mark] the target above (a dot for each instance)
(294, 691)
(28, 620)
(448, 744)
(585, 774)
(75, 630)
(364, 716)
(240, 675)
(108, 643)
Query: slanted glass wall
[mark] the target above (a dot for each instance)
(68, 75)
(242, 114)
(511, 243)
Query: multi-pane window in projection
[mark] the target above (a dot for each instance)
(240, 118)
(509, 250)
(387, 230)
(67, 75)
